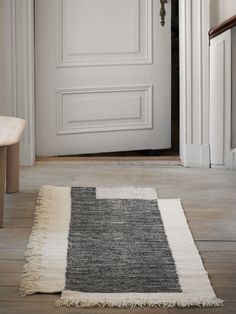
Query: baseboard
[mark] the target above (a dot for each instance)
(27, 155)
(196, 155)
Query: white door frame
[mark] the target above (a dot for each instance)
(194, 78)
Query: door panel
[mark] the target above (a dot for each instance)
(103, 73)
(91, 110)
(91, 32)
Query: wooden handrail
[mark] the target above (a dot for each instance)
(222, 27)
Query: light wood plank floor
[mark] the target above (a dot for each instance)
(209, 201)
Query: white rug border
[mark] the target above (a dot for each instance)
(48, 239)
(127, 192)
(184, 251)
(196, 290)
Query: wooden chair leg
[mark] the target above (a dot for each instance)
(3, 151)
(12, 175)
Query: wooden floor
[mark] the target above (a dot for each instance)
(209, 201)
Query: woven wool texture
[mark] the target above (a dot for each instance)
(118, 245)
(114, 247)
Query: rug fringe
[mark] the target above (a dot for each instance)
(35, 268)
(33, 256)
(69, 302)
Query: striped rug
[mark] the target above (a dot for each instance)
(115, 247)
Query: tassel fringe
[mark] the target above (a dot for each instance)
(68, 302)
(45, 257)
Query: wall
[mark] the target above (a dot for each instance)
(6, 101)
(1, 59)
(233, 89)
(222, 10)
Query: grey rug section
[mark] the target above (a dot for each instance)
(117, 245)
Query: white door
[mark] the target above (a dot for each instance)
(103, 76)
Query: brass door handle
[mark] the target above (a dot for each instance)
(163, 12)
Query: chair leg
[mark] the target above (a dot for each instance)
(12, 172)
(3, 151)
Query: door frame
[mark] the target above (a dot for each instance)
(194, 16)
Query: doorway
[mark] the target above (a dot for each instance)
(88, 103)
(173, 151)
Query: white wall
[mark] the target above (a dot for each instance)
(233, 89)
(6, 101)
(1, 60)
(222, 10)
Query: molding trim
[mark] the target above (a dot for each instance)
(22, 69)
(142, 56)
(143, 121)
(194, 82)
(222, 153)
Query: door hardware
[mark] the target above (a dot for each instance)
(163, 12)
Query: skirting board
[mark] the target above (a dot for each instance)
(195, 156)
(27, 155)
